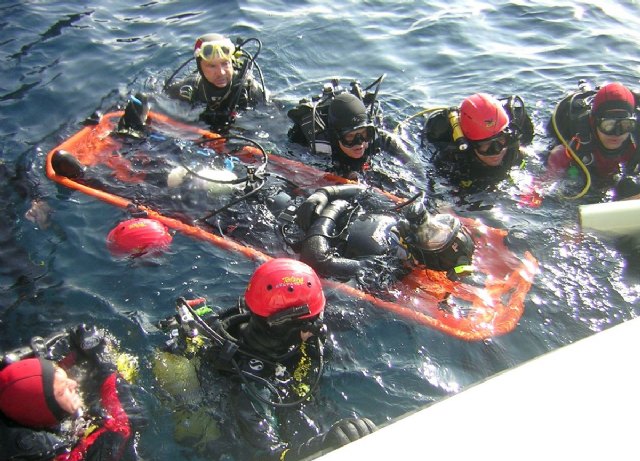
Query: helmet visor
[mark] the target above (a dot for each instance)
(616, 126)
(209, 51)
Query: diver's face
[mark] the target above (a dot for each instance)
(491, 152)
(217, 71)
(615, 128)
(354, 143)
(612, 141)
(65, 391)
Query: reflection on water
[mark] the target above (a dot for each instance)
(62, 61)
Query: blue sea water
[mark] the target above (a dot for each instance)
(60, 61)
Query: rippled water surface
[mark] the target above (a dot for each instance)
(61, 61)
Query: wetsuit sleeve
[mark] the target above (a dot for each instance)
(341, 433)
(185, 90)
(18, 443)
(114, 433)
(328, 263)
(393, 146)
(257, 424)
(113, 437)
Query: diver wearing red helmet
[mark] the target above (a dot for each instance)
(475, 145)
(601, 129)
(272, 347)
(44, 416)
(224, 81)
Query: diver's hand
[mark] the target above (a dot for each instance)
(627, 188)
(87, 340)
(92, 344)
(348, 430)
(311, 209)
(341, 433)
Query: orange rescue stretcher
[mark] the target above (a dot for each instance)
(463, 309)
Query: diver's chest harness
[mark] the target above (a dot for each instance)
(229, 354)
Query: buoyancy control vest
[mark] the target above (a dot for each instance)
(241, 344)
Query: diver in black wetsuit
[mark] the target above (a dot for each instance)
(349, 134)
(264, 360)
(349, 234)
(224, 81)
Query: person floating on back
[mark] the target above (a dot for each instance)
(42, 413)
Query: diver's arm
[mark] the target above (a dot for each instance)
(257, 423)
(345, 431)
(392, 145)
(185, 90)
(26, 444)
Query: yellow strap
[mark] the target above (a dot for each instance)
(463, 269)
(89, 430)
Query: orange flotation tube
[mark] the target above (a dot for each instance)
(466, 310)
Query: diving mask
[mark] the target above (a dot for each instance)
(614, 126)
(357, 137)
(492, 146)
(216, 49)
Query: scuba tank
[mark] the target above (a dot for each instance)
(571, 115)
